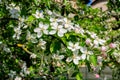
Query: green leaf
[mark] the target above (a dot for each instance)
(51, 47)
(16, 60)
(93, 60)
(31, 68)
(67, 35)
(30, 18)
(55, 45)
(79, 76)
(35, 1)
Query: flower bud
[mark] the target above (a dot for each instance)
(97, 76)
(103, 49)
(88, 41)
(112, 45)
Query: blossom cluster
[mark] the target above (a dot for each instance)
(52, 40)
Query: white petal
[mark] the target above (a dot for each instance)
(69, 47)
(76, 61)
(83, 56)
(54, 25)
(69, 59)
(61, 57)
(37, 30)
(78, 57)
(52, 19)
(46, 26)
(83, 49)
(39, 34)
(77, 46)
(41, 25)
(34, 40)
(52, 32)
(73, 49)
(60, 34)
(96, 42)
(90, 52)
(60, 26)
(63, 30)
(71, 44)
(45, 31)
(101, 41)
(66, 26)
(65, 19)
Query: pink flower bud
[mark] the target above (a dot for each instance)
(103, 48)
(112, 45)
(88, 41)
(97, 76)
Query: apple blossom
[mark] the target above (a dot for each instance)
(31, 37)
(41, 44)
(38, 14)
(98, 42)
(56, 28)
(75, 58)
(41, 29)
(57, 57)
(73, 47)
(85, 53)
(18, 32)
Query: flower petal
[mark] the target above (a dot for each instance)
(39, 34)
(76, 61)
(60, 34)
(83, 56)
(69, 59)
(52, 32)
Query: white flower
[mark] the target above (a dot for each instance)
(78, 29)
(33, 56)
(85, 53)
(17, 31)
(0, 42)
(58, 29)
(14, 11)
(18, 78)
(55, 21)
(7, 49)
(73, 47)
(31, 37)
(98, 42)
(25, 70)
(68, 24)
(49, 12)
(57, 57)
(92, 34)
(75, 58)
(41, 29)
(12, 73)
(38, 14)
(42, 44)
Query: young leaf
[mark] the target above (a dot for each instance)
(79, 76)
(93, 60)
